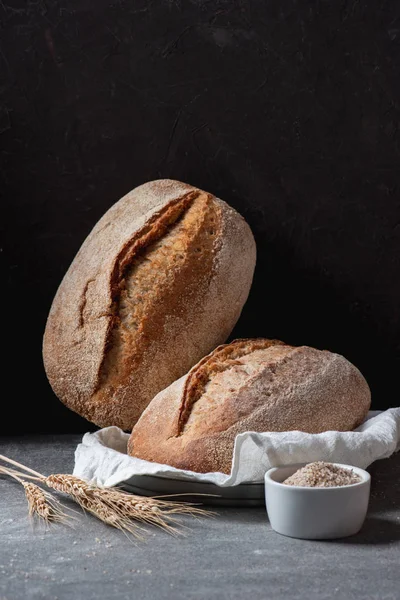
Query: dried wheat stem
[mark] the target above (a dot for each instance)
(12, 473)
(20, 466)
(19, 475)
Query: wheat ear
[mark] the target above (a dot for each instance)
(41, 504)
(113, 506)
(117, 508)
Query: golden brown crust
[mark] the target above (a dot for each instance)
(220, 359)
(267, 386)
(144, 299)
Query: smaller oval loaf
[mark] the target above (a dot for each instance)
(248, 385)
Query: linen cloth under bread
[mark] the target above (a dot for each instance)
(102, 459)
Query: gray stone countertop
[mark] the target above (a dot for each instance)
(234, 555)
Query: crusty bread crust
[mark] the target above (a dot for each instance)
(159, 282)
(248, 385)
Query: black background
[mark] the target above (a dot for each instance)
(287, 110)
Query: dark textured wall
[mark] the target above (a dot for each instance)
(287, 110)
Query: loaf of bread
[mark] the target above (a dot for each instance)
(159, 282)
(248, 385)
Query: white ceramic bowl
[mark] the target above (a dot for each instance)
(315, 513)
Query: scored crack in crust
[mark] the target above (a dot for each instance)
(222, 359)
(188, 227)
(133, 280)
(135, 248)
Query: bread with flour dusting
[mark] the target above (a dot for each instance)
(248, 385)
(159, 282)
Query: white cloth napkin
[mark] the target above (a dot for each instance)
(102, 459)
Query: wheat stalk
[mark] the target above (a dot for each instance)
(111, 505)
(117, 508)
(90, 499)
(43, 504)
(40, 503)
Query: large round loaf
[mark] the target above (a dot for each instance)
(159, 282)
(248, 385)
